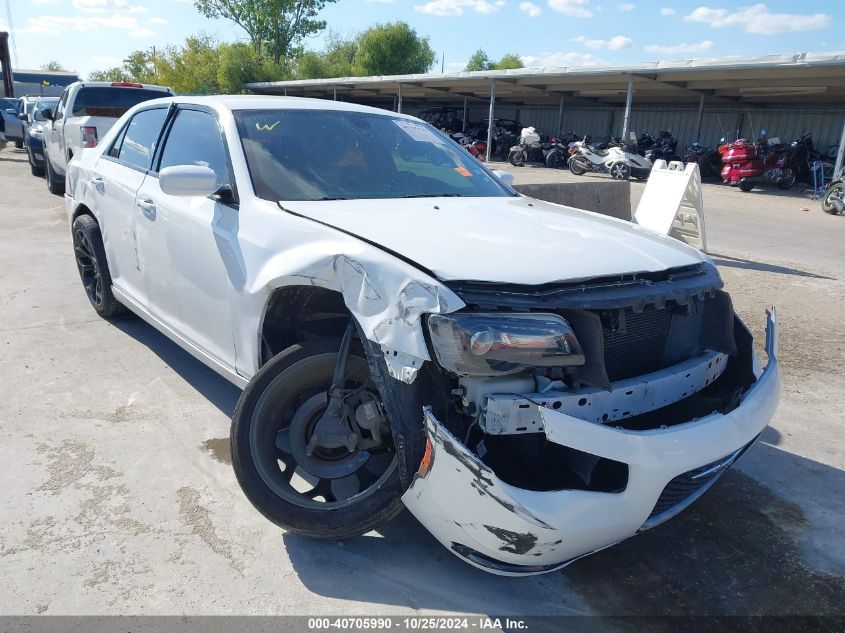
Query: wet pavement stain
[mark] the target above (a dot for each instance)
(218, 447)
(736, 551)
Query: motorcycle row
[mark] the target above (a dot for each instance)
(742, 163)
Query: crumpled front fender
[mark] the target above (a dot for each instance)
(512, 531)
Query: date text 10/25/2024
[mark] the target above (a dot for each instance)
(416, 623)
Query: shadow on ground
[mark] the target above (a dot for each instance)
(737, 262)
(213, 387)
(738, 551)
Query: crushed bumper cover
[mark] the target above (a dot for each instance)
(512, 531)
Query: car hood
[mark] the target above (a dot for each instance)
(514, 240)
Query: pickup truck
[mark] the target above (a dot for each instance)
(86, 111)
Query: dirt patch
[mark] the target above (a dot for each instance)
(735, 552)
(218, 448)
(198, 518)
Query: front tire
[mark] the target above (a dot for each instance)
(787, 180)
(34, 167)
(516, 158)
(93, 267)
(837, 189)
(620, 171)
(272, 420)
(554, 159)
(578, 165)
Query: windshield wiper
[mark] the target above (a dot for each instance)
(434, 195)
(329, 198)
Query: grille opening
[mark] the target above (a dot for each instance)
(531, 462)
(634, 342)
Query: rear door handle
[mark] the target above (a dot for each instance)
(148, 207)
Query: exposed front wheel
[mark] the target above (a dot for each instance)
(516, 158)
(305, 469)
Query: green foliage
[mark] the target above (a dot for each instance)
(392, 49)
(509, 60)
(480, 61)
(54, 67)
(276, 27)
(199, 66)
(383, 49)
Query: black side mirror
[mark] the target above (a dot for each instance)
(23, 116)
(47, 113)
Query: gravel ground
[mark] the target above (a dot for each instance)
(117, 495)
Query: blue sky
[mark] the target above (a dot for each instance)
(89, 34)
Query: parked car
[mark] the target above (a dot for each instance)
(34, 132)
(13, 124)
(86, 111)
(534, 382)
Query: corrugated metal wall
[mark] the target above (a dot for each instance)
(788, 123)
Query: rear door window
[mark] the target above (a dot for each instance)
(111, 101)
(137, 143)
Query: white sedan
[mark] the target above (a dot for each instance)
(534, 382)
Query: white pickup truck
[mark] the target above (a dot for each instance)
(86, 111)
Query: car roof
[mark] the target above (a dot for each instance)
(266, 102)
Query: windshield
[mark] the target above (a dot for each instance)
(111, 101)
(332, 155)
(42, 104)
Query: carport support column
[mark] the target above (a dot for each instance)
(399, 101)
(560, 116)
(628, 99)
(464, 127)
(335, 92)
(840, 154)
(490, 120)
(698, 121)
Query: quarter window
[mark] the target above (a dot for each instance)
(137, 143)
(195, 139)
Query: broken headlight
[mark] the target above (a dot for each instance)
(493, 344)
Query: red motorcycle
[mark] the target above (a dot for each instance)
(747, 165)
(478, 149)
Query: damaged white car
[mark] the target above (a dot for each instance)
(534, 382)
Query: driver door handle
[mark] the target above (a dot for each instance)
(148, 207)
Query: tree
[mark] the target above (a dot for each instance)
(479, 61)
(54, 67)
(392, 49)
(191, 69)
(510, 60)
(239, 64)
(277, 26)
(110, 74)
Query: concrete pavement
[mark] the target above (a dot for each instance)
(117, 496)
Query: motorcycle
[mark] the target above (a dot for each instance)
(833, 201)
(558, 152)
(664, 148)
(709, 159)
(529, 149)
(748, 165)
(620, 164)
(478, 149)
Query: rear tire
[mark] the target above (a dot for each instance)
(55, 184)
(554, 159)
(19, 144)
(788, 180)
(745, 185)
(268, 408)
(93, 267)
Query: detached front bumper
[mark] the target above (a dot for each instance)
(511, 531)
